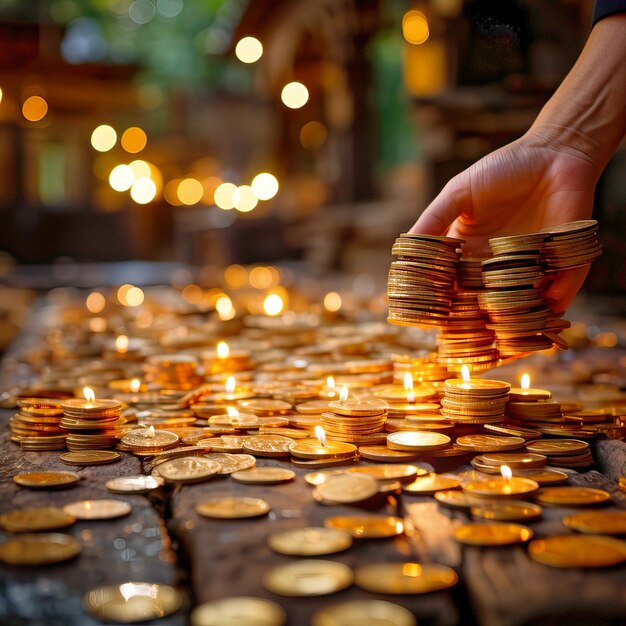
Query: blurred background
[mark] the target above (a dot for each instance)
(199, 135)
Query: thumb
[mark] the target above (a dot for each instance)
(565, 287)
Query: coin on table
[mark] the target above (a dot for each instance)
(36, 519)
(239, 611)
(134, 484)
(578, 551)
(264, 475)
(388, 473)
(46, 480)
(39, 549)
(571, 496)
(132, 602)
(507, 511)
(417, 441)
(230, 463)
(310, 541)
(90, 457)
(188, 469)
(359, 407)
(426, 485)
(543, 476)
(492, 534)
(272, 446)
(383, 453)
(362, 612)
(405, 578)
(98, 509)
(308, 578)
(146, 439)
(367, 526)
(232, 507)
(557, 447)
(347, 488)
(454, 499)
(490, 443)
(595, 523)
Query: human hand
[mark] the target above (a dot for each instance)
(521, 188)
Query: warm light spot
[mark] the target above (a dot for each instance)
(332, 301)
(273, 304)
(294, 95)
(97, 324)
(121, 293)
(95, 302)
(465, 374)
(232, 411)
(34, 108)
(150, 432)
(261, 277)
(90, 394)
(264, 186)
(506, 472)
(121, 177)
(143, 190)
(170, 192)
(134, 296)
(525, 382)
(408, 382)
(415, 27)
(141, 169)
(414, 570)
(103, 138)
(231, 384)
(320, 433)
(135, 385)
(209, 186)
(134, 139)
(121, 344)
(244, 199)
(0, 95)
(223, 350)
(192, 294)
(330, 382)
(249, 50)
(313, 135)
(235, 276)
(189, 191)
(224, 307)
(224, 196)
(343, 394)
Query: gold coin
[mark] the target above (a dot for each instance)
(347, 488)
(310, 541)
(359, 406)
(490, 443)
(362, 612)
(383, 453)
(239, 611)
(544, 476)
(557, 447)
(308, 578)
(507, 511)
(578, 551)
(188, 469)
(232, 507)
(263, 475)
(272, 446)
(134, 484)
(426, 485)
(417, 441)
(39, 549)
(312, 449)
(262, 406)
(492, 534)
(477, 386)
(146, 439)
(387, 473)
(36, 520)
(405, 578)
(230, 463)
(367, 526)
(90, 457)
(501, 488)
(46, 480)
(454, 499)
(571, 496)
(98, 509)
(597, 522)
(132, 602)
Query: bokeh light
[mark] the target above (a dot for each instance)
(415, 27)
(332, 301)
(249, 50)
(264, 186)
(189, 191)
(34, 108)
(261, 277)
(141, 169)
(134, 139)
(294, 95)
(244, 199)
(235, 276)
(134, 297)
(224, 196)
(143, 190)
(273, 304)
(224, 307)
(95, 302)
(103, 138)
(313, 135)
(121, 177)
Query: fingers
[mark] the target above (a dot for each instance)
(565, 288)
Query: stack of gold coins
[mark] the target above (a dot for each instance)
(421, 281)
(172, 371)
(91, 424)
(223, 360)
(37, 424)
(423, 369)
(563, 452)
(469, 275)
(570, 245)
(356, 420)
(479, 401)
(491, 462)
(540, 413)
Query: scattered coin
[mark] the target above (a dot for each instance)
(367, 526)
(405, 578)
(239, 611)
(310, 541)
(362, 612)
(39, 549)
(36, 519)
(134, 484)
(347, 488)
(90, 457)
(98, 509)
(230, 463)
(507, 511)
(188, 469)
(263, 475)
(597, 522)
(571, 496)
(427, 485)
(232, 507)
(492, 534)
(308, 578)
(578, 551)
(46, 480)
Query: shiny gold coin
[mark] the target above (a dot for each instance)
(387, 473)
(134, 484)
(232, 507)
(362, 612)
(454, 499)
(46, 480)
(492, 534)
(36, 520)
(230, 463)
(98, 509)
(417, 441)
(578, 551)
(367, 526)
(39, 549)
(427, 485)
(90, 457)
(405, 578)
(501, 488)
(132, 602)
(308, 578)
(312, 449)
(507, 511)
(490, 443)
(571, 496)
(383, 453)
(188, 469)
(364, 407)
(260, 406)
(518, 460)
(544, 476)
(263, 475)
(272, 446)
(146, 439)
(239, 611)
(596, 522)
(347, 488)
(557, 447)
(310, 541)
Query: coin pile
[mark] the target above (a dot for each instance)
(479, 401)
(563, 452)
(172, 371)
(226, 361)
(541, 413)
(421, 281)
(91, 425)
(422, 369)
(570, 245)
(356, 420)
(37, 424)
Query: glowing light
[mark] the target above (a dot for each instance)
(415, 27)
(273, 304)
(121, 177)
(249, 50)
(189, 191)
(265, 186)
(141, 169)
(0, 95)
(224, 196)
(95, 302)
(121, 344)
(103, 138)
(192, 293)
(135, 385)
(330, 382)
(97, 324)
(231, 384)
(408, 382)
(313, 135)
(261, 277)
(121, 293)
(244, 199)
(34, 108)
(232, 411)
(90, 394)
(222, 350)
(134, 139)
(343, 394)
(235, 276)
(134, 297)
(332, 301)
(143, 190)
(294, 95)
(320, 433)
(465, 375)
(224, 307)
(506, 472)
(525, 382)
(150, 432)
(209, 186)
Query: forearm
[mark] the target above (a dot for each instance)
(587, 113)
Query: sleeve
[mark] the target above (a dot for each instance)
(604, 8)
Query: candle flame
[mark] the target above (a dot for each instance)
(343, 394)
(525, 382)
(506, 472)
(223, 350)
(150, 432)
(135, 385)
(408, 382)
(320, 433)
(410, 397)
(231, 384)
(232, 411)
(330, 382)
(121, 344)
(465, 374)
(89, 394)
